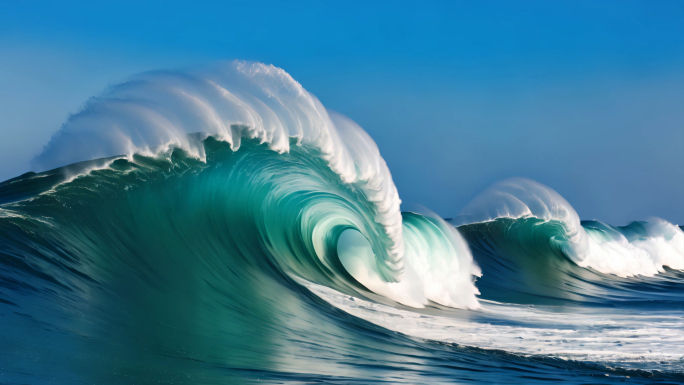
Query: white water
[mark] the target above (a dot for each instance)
(630, 337)
(438, 266)
(613, 253)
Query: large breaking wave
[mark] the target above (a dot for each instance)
(155, 113)
(220, 224)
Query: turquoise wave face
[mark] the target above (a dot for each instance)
(169, 269)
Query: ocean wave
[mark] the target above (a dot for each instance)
(155, 113)
(158, 111)
(641, 248)
(220, 224)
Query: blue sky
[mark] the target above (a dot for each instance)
(584, 96)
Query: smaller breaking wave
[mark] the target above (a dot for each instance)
(541, 218)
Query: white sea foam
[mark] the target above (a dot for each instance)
(628, 338)
(438, 265)
(614, 253)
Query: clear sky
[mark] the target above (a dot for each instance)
(584, 96)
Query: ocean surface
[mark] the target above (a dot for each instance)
(219, 225)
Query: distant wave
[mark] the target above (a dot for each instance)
(641, 248)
